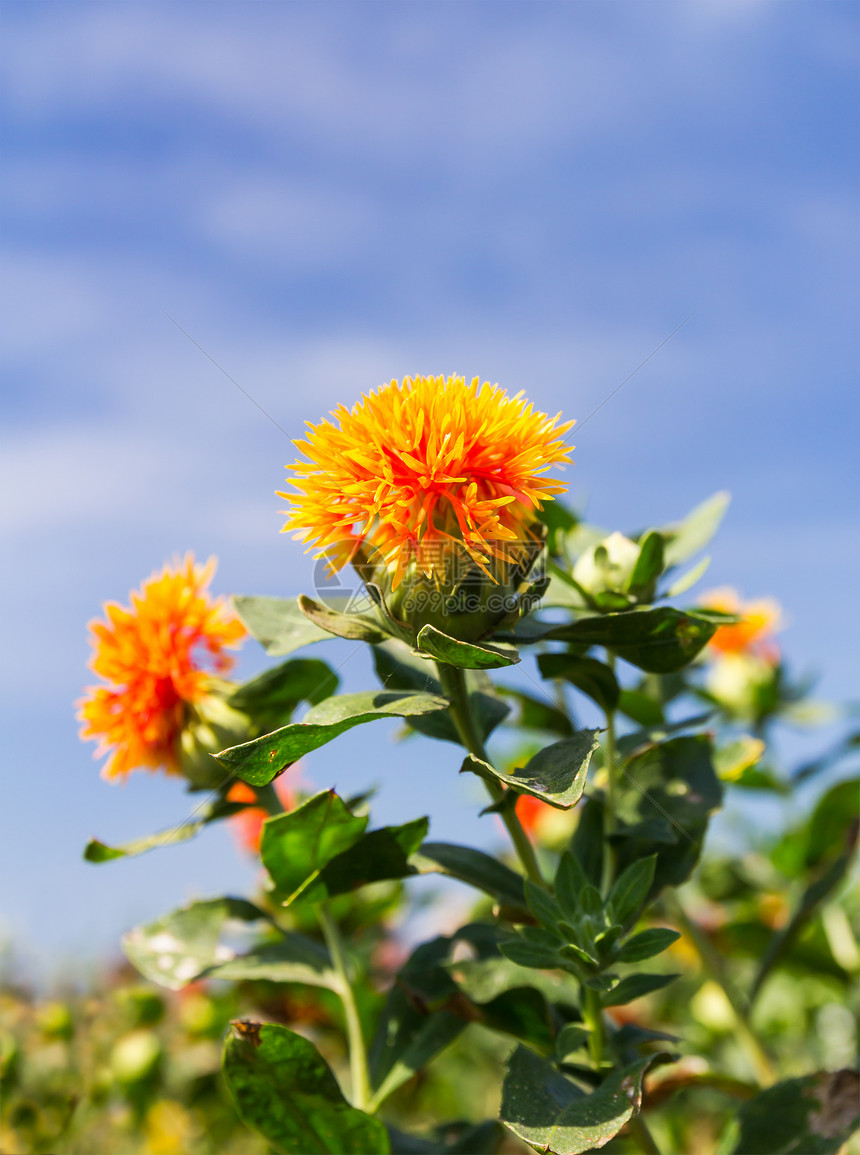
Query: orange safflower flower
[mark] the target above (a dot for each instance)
(248, 824)
(421, 464)
(151, 656)
(532, 813)
(753, 634)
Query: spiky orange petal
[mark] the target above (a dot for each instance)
(156, 656)
(424, 461)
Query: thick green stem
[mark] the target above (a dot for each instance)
(713, 967)
(592, 1016)
(610, 758)
(455, 690)
(355, 1035)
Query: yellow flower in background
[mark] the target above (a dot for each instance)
(413, 467)
(154, 655)
(753, 634)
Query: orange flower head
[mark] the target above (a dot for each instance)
(153, 656)
(248, 823)
(753, 634)
(413, 467)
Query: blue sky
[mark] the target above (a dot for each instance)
(327, 195)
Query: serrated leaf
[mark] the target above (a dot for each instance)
(631, 889)
(634, 987)
(472, 867)
(180, 946)
(813, 1115)
(556, 775)
(647, 944)
(553, 1114)
(593, 678)
(659, 641)
(260, 761)
(354, 627)
(463, 655)
(285, 1089)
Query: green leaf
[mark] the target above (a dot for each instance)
(552, 1114)
(297, 845)
(380, 855)
(649, 566)
(659, 641)
(354, 627)
(285, 1089)
(472, 867)
(270, 698)
(180, 946)
(587, 843)
(483, 980)
(542, 905)
(665, 799)
(435, 1033)
(293, 959)
(571, 1038)
(813, 1115)
(527, 954)
(647, 944)
(687, 580)
(593, 678)
(630, 890)
(96, 851)
(640, 707)
(278, 624)
(570, 882)
(634, 987)
(463, 655)
(537, 714)
(556, 775)
(260, 761)
(687, 537)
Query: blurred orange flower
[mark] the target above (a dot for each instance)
(425, 462)
(753, 634)
(151, 655)
(532, 814)
(247, 825)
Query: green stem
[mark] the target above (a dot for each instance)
(713, 967)
(357, 1049)
(454, 689)
(268, 798)
(610, 754)
(592, 1016)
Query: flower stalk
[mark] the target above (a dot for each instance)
(454, 688)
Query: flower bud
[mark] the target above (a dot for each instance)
(608, 566)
